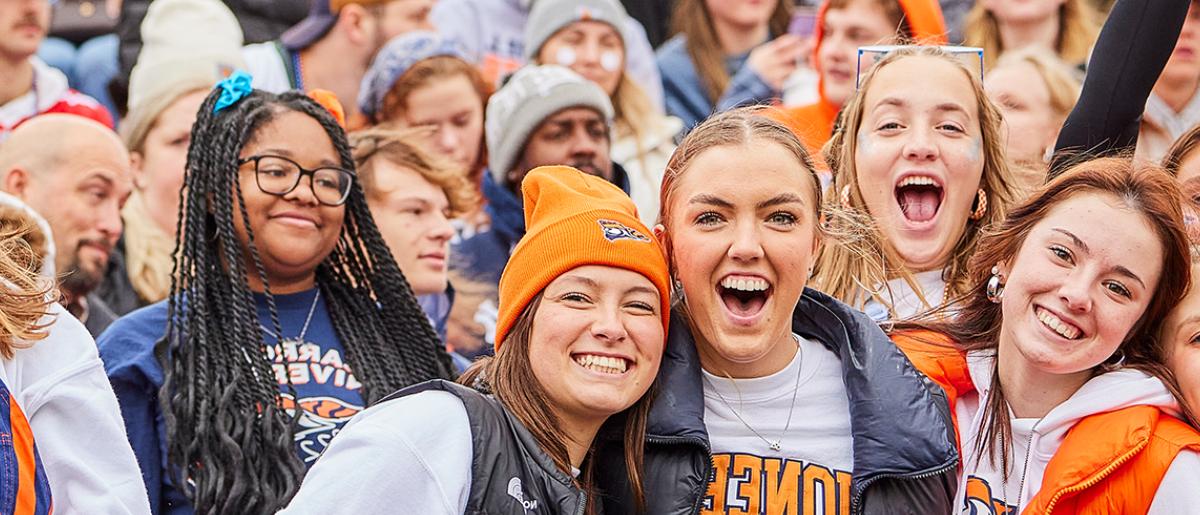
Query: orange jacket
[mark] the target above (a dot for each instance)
(813, 123)
(1108, 463)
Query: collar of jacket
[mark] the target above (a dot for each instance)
(900, 422)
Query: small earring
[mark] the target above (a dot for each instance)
(846, 196)
(995, 290)
(981, 205)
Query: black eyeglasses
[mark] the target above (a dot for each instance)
(277, 175)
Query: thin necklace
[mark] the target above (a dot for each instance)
(1024, 468)
(303, 330)
(777, 444)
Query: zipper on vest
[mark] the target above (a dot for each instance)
(583, 498)
(1104, 472)
(684, 440)
(856, 499)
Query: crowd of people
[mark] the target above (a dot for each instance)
(590, 256)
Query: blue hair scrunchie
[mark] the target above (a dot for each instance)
(233, 88)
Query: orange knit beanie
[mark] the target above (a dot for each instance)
(573, 219)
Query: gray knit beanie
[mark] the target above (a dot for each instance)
(187, 45)
(531, 95)
(547, 17)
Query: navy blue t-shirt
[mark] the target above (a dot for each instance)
(325, 385)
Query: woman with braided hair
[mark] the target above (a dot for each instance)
(287, 313)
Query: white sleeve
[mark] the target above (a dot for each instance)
(266, 67)
(1177, 491)
(76, 422)
(413, 451)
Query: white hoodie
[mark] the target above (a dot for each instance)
(60, 384)
(1040, 439)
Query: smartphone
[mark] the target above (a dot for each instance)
(804, 21)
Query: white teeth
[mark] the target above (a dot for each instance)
(917, 180)
(1056, 324)
(754, 284)
(605, 364)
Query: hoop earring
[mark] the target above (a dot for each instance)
(981, 205)
(678, 287)
(995, 290)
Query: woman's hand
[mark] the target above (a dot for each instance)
(775, 60)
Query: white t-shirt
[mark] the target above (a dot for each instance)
(905, 302)
(60, 384)
(411, 454)
(810, 473)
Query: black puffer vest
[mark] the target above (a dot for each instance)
(905, 455)
(509, 472)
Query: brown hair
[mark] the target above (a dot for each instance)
(1061, 81)
(734, 127)
(851, 272)
(424, 72)
(1078, 26)
(692, 19)
(509, 376)
(1180, 150)
(401, 147)
(977, 321)
(24, 296)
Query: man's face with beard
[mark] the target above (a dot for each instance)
(576, 137)
(81, 199)
(23, 25)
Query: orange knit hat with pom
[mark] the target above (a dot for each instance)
(574, 219)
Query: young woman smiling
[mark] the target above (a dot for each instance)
(583, 315)
(763, 377)
(287, 314)
(1057, 380)
(920, 154)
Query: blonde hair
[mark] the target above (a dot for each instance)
(855, 269)
(1078, 26)
(1061, 81)
(149, 252)
(693, 20)
(24, 295)
(633, 114)
(402, 147)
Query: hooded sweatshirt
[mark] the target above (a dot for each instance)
(1035, 441)
(1119, 396)
(60, 385)
(813, 123)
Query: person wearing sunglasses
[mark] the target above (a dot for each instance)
(287, 314)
